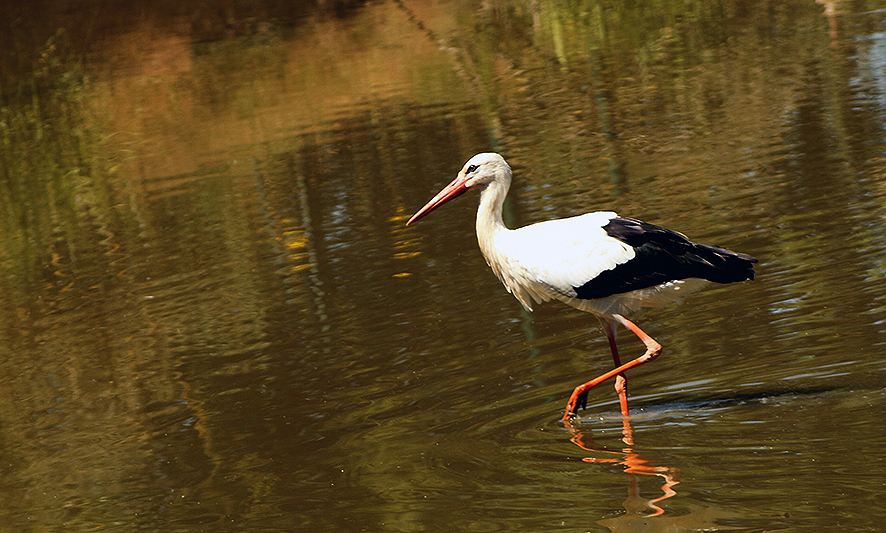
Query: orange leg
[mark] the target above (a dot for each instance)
(579, 396)
(621, 382)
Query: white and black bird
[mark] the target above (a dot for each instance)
(599, 262)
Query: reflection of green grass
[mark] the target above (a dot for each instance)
(48, 155)
(223, 66)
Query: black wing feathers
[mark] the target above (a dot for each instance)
(663, 255)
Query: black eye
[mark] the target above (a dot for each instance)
(471, 169)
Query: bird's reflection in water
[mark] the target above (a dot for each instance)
(634, 464)
(644, 514)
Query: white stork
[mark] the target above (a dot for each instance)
(598, 262)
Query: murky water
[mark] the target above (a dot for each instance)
(215, 319)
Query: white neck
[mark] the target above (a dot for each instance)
(490, 232)
(489, 220)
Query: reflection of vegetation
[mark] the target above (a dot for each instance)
(48, 157)
(219, 64)
(592, 86)
(143, 196)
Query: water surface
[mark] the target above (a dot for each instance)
(215, 319)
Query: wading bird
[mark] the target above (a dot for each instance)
(601, 263)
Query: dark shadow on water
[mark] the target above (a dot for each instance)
(729, 400)
(670, 404)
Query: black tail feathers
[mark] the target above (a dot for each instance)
(720, 265)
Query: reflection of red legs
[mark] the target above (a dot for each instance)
(579, 397)
(634, 463)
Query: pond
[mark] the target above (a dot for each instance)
(215, 318)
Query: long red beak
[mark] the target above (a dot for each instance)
(453, 190)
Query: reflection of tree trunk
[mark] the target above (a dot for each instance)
(602, 100)
(309, 234)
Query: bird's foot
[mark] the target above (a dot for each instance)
(581, 401)
(578, 400)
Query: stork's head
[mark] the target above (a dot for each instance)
(478, 172)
